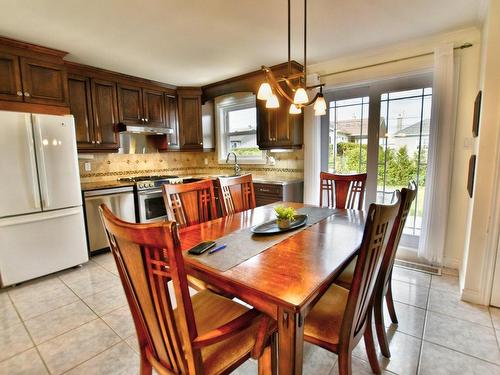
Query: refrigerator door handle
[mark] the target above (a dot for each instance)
(32, 162)
(40, 143)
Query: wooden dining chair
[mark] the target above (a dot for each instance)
(341, 317)
(206, 333)
(346, 191)
(384, 285)
(191, 203)
(236, 194)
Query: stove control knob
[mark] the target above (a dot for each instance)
(151, 184)
(141, 186)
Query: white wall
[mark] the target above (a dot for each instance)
(468, 86)
(484, 211)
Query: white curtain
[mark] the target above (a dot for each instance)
(441, 141)
(312, 150)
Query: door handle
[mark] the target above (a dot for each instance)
(19, 93)
(43, 169)
(34, 180)
(27, 94)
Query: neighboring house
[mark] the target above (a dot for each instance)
(353, 131)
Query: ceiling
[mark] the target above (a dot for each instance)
(195, 42)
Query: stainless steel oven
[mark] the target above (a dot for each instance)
(149, 198)
(150, 206)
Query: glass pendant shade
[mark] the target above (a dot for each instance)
(294, 110)
(272, 102)
(319, 112)
(320, 104)
(300, 96)
(265, 91)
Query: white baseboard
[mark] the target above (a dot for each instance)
(472, 296)
(452, 263)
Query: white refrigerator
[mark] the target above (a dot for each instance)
(42, 228)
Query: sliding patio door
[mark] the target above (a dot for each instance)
(382, 129)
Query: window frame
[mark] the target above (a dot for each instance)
(223, 105)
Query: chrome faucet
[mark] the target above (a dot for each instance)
(237, 168)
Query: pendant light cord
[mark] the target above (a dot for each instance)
(305, 44)
(289, 41)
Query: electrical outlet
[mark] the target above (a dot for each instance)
(206, 161)
(87, 166)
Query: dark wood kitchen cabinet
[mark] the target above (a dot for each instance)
(105, 110)
(130, 105)
(81, 109)
(93, 103)
(32, 74)
(277, 128)
(266, 193)
(10, 78)
(172, 121)
(141, 106)
(190, 126)
(44, 82)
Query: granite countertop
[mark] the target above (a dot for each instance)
(86, 186)
(274, 180)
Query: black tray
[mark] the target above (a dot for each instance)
(271, 227)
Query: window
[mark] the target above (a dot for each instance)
(348, 135)
(382, 129)
(236, 122)
(403, 146)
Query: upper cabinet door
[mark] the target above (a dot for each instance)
(105, 111)
(10, 78)
(80, 104)
(130, 105)
(44, 82)
(154, 108)
(172, 121)
(190, 128)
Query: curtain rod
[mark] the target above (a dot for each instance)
(463, 46)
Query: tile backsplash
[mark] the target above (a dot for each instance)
(105, 167)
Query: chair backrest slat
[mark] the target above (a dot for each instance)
(407, 197)
(236, 194)
(191, 203)
(342, 191)
(148, 257)
(379, 223)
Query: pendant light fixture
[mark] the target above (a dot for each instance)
(295, 84)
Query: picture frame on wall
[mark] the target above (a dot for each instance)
(470, 178)
(477, 114)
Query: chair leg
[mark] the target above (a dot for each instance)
(344, 363)
(390, 303)
(370, 345)
(380, 326)
(146, 368)
(268, 363)
(265, 361)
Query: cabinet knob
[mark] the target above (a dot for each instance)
(93, 142)
(98, 142)
(201, 143)
(27, 94)
(168, 143)
(142, 119)
(19, 93)
(146, 119)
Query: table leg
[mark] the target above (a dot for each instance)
(290, 342)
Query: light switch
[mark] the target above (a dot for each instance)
(87, 166)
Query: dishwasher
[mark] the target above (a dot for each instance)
(120, 201)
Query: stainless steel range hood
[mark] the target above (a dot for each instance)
(141, 139)
(146, 130)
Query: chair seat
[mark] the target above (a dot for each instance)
(345, 278)
(323, 322)
(212, 311)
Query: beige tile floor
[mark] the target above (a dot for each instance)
(77, 322)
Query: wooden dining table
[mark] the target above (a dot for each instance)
(287, 279)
